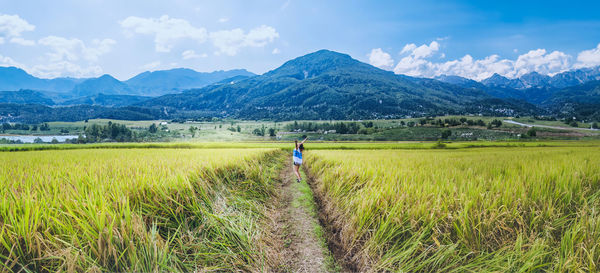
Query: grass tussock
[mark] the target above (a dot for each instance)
(134, 210)
(469, 210)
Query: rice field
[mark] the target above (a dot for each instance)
(134, 210)
(400, 207)
(463, 210)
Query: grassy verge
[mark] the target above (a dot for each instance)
(307, 202)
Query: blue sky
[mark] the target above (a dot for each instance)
(421, 38)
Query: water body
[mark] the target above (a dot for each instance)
(30, 139)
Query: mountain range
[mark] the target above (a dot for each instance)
(331, 85)
(320, 85)
(146, 84)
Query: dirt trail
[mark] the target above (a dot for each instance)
(297, 245)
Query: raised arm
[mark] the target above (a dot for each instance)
(301, 142)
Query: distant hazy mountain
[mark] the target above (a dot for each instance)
(24, 97)
(536, 80)
(147, 84)
(104, 84)
(575, 77)
(173, 81)
(497, 80)
(460, 81)
(107, 100)
(13, 79)
(326, 85)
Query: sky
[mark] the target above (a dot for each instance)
(469, 38)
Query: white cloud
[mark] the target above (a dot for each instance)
(190, 54)
(150, 66)
(422, 51)
(71, 57)
(13, 26)
(416, 63)
(229, 42)
(166, 30)
(7, 61)
(589, 58)
(21, 41)
(381, 59)
(223, 20)
(541, 62)
(75, 49)
(65, 68)
(275, 51)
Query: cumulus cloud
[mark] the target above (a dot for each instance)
(65, 68)
(166, 30)
(381, 59)
(7, 61)
(229, 42)
(75, 49)
(589, 58)
(190, 54)
(416, 62)
(71, 57)
(21, 41)
(13, 26)
(542, 62)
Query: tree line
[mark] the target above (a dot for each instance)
(25, 127)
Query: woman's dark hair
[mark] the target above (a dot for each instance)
(301, 147)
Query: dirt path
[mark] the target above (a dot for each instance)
(298, 245)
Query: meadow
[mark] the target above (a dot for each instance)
(133, 210)
(465, 210)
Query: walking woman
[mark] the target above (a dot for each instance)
(298, 158)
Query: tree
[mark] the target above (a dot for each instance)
(38, 140)
(532, 132)
(272, 132)
(193, 130)
(496, 123)
(258, 132)
(239, 129)
(595, 125)
(54, 141)
(446, 134)
(153, 128)
(573, 123)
